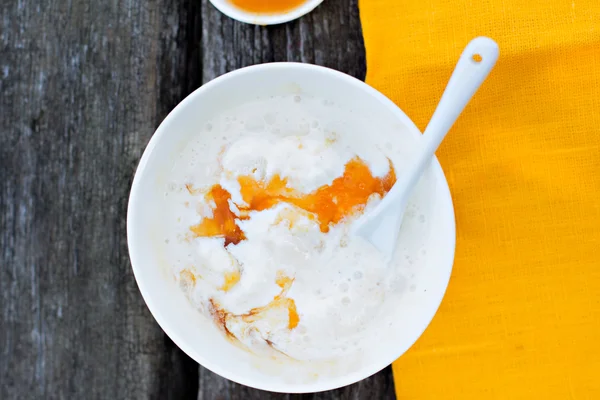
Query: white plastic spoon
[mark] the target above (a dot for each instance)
(382, 225)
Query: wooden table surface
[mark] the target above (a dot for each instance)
(83, 85)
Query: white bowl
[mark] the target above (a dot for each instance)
(234, 12)
(197, 335)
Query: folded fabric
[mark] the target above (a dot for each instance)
(521, 317)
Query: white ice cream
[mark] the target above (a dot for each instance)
(338, 282)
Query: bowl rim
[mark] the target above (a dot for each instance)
(221, 370)
(227, 8)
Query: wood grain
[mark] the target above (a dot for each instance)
(330, 36)
(214, 387)
(83, 85)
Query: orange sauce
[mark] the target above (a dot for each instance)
(282, 280)
(220, 317)
(187, 280)
(293, 314)
(267, 6)
(328, 204)
(187, 276)
(279, 302)
(222, 224)
(231, 278)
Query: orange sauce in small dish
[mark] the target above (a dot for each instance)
(267, 6)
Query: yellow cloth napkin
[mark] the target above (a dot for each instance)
(521, 317)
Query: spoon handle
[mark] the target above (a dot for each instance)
(474, 65)
(381, 226)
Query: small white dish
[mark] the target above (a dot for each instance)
(196, 334)
(227, 8)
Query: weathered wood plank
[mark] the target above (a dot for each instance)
(378, 387)
(330, 36)
(82, 87)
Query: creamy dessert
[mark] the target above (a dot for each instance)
(260, 205)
